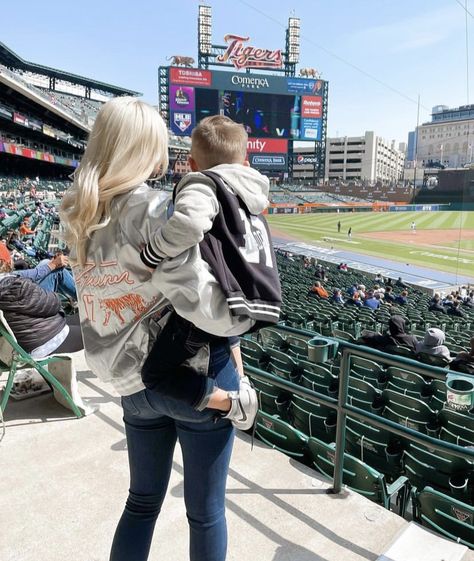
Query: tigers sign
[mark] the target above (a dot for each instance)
(242, 56)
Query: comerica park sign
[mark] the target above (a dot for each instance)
(242, 56)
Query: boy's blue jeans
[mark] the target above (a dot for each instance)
(153, 425)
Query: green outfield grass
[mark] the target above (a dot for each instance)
(452, 255)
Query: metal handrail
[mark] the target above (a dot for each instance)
(343, 408)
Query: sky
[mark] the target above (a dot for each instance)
(378, 55)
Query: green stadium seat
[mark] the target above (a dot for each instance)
(313, 419)
(359, 476)
(409, 412)
(318, 378)
(253, 353)
(281, 364)
(377, 447)
(273, 337)
(408, 383)
(457, 424)
(280, 435)
(441, 470)
(445, 515)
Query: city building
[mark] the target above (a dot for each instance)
(448, 139)
(363, 158)
(410, 155)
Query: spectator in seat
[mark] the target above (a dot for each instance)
(51, 275)
(361, 290)
(388, 296)
(433, 344)
(455, 310)
(25, 229)
(372, 301)
(469, 300)
(464, 361)
(319, 290)
(395, 336)
(436, 305)
(336, 297)
(320, 272)
(354, 300)
(402, 298)
(448, 301)
(36, 318)
(400, 283)
(379, 279)
(352, 289)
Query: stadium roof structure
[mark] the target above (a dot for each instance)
(12, 60)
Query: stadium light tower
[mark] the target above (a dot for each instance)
(292, 45)
(204, 35)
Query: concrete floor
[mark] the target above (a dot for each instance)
(64, 481)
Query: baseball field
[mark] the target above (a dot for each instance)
(440, 240)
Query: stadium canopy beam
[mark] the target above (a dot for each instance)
(11, 60)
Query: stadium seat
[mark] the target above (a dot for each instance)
(445, 515)
(273, 337)
(252, 353)
(13, 358)
(456, 425)
(313, 419)
(359, 476)
(408, 383)
(409, 412)
(441, 470)
(280, 435)
(318, 378)
(378, 447)
(281, 364)
(364, 395)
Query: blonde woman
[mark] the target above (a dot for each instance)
(109, 215)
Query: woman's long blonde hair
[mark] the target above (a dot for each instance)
(127, 145)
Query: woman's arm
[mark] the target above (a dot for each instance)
(236, 355)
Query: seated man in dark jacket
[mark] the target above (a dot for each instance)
(436, 305)
(455, 310)
(396, 336)
(37, 320)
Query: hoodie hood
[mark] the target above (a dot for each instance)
(396, 325)
(434, 337)
(249, 184)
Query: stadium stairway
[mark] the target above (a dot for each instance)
(58, 468)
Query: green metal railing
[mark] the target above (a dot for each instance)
(343, 408)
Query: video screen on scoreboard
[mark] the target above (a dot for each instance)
(262, 115)
(267, 106)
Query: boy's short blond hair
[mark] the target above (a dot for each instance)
(218, 140)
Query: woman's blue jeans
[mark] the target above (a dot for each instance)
(153, 424)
